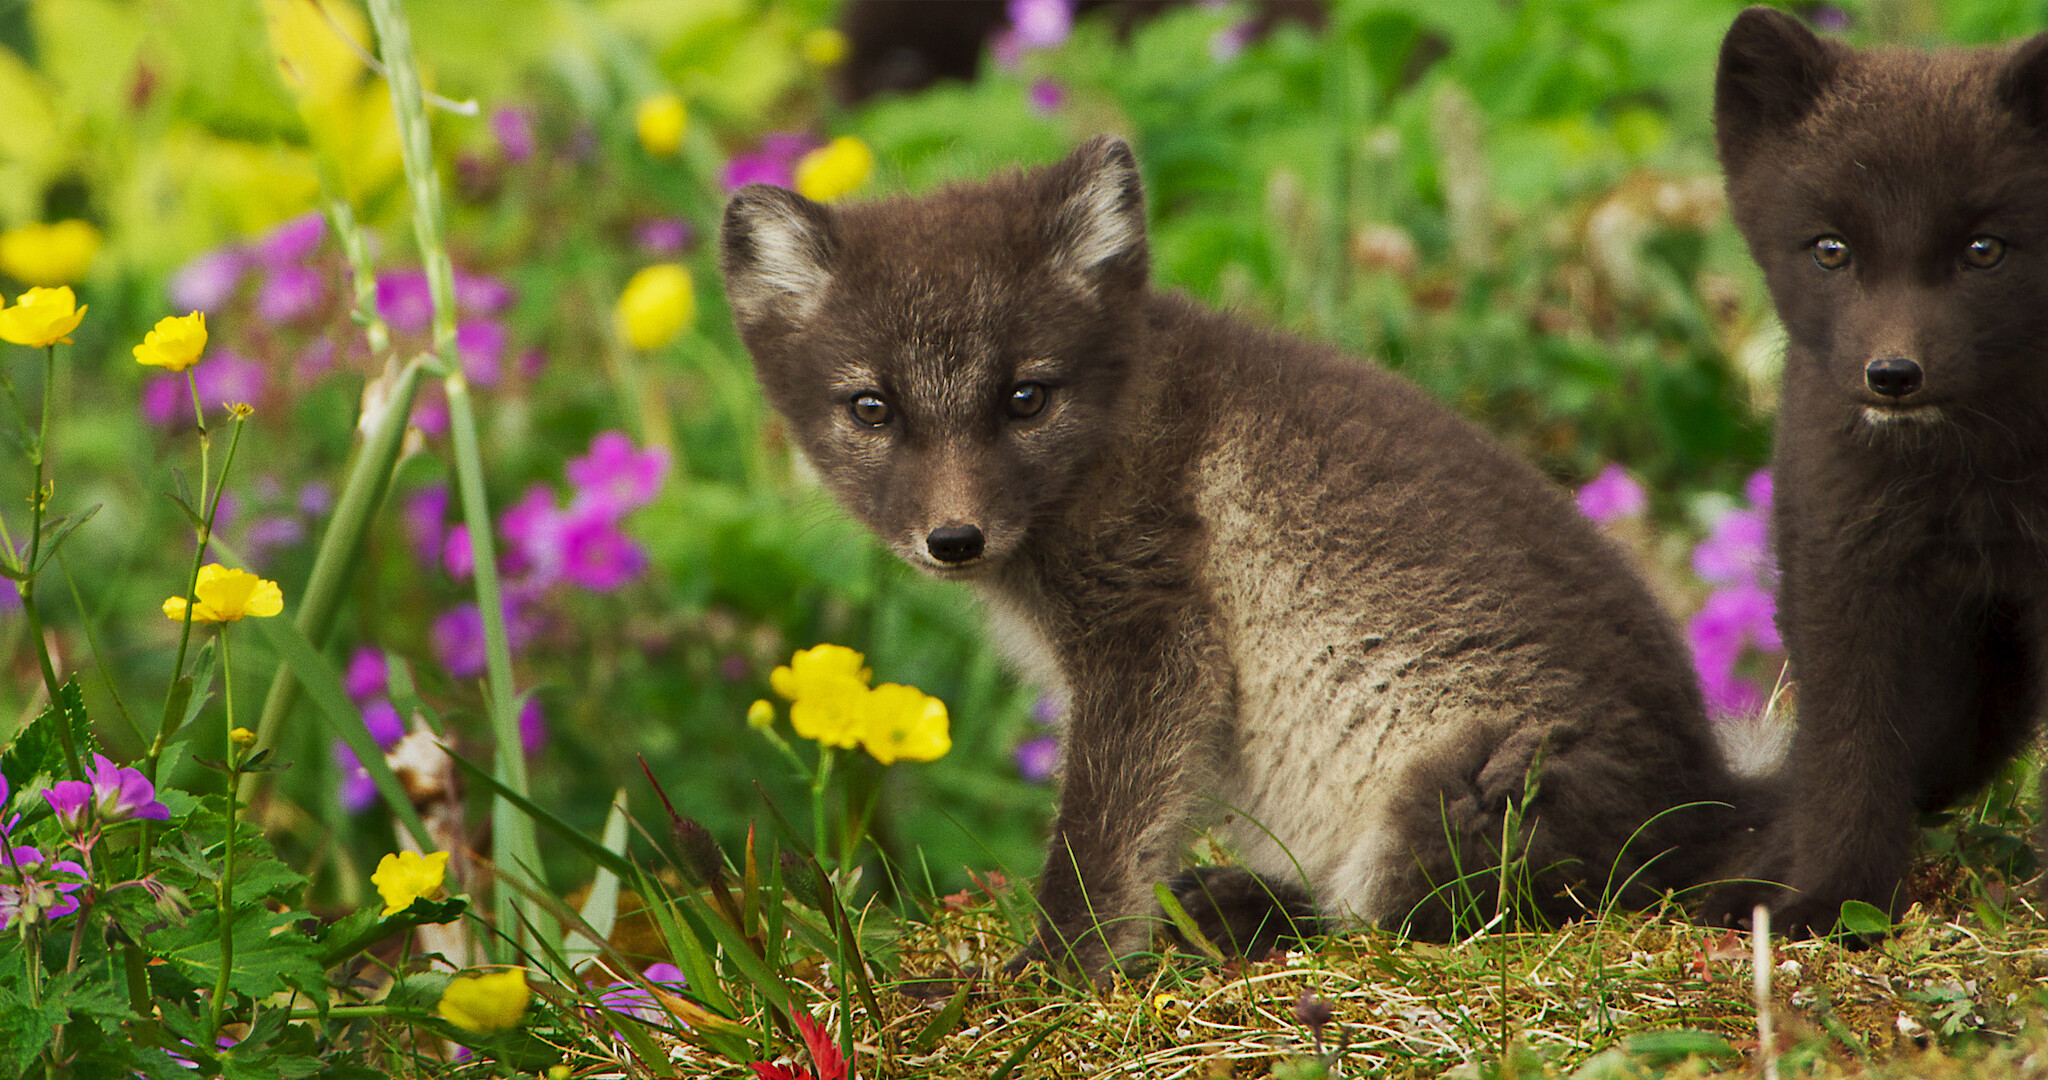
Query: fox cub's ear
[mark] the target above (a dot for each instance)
(1095, 225)
(2024, 85)
(1772, 71)
(776, 249)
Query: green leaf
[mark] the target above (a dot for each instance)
(617, 864)
(1866, 920)
(353, 934)
(1185, 922)
(61, 529)
(1018, 1055)
(1671, 1047)
(268, 958)
(331, 703)
(38, 751)
(943, 1024)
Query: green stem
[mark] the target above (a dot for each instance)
(818, 781)
(227, 870)
(39, 501)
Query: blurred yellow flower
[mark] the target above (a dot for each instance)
(42, 317)
(903, 722)
(486, 1003)
(228, 595)
(49, 254)
(242, 736)
(407, 876)
(655, 306)
(760, 714)
(176, 342)
(825, 47)
(834, 169)
(661, 121)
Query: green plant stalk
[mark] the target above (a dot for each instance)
(227, 866)
(514, 834)
(167, 727)
(39, 500)
(818, 781)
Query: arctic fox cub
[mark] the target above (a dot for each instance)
(1286, 594)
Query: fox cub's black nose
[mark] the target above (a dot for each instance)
(1892, 378)
(954, 543)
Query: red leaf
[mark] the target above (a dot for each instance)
(831, 1066)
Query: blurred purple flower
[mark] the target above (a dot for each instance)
(294, 241)
(425, 516)
(1736, 551)
(1038, 757)
(1041, 24)
(209, 281)
(1758, 490)
(163, 398)
(381, 719)
(1229, 43)
(596, 555)
(1047, 710)
(120, 793)
(226, 511)
(1047, 95)
(532, 362)
(1831, 18)
(1612, 495)
(514, 128)
(274, 532)
(457, 557)
(430, 415)
(69, 798)
(757, 168)
(314, 359)
(404, 301)
(225, 378)
(1733, 618)
(733, 667)
(366, 676)
(458, 636)
(358, 791)
(482, 345)
(481, 294)
(788, 145)
(1005, 49)
(290, 293)
(632, 1000)
(316, 497)
(612, 474)
(533, 533)
(533, 727)
(665, 236)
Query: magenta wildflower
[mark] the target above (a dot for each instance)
(162, 397)
(424, 516)
(314, 360)
(290, 293)
(430, 415)
(316, 497)
(209, 281)
(533, 533)
(366, 676)
(532, 363)
(614, 474)
(533, 727)
(1613, 495)
(482, 345)
(1047, 96)
(33, 889)
(458, 635)
(514, 129)
(457, 557)
(595, 553)
(225, 378)
(665, 236)
(226, 512)
(1038, 757)
(757, 168)
(358, 792)
(632, 1000)
(1041, 24)
(276, 531)
(68, 799)
(1048, 710)
(294, 241)
(120, 793)
(1229, 43)
(381, 720)
(481, 294)
(404, 301)
(1733, 619)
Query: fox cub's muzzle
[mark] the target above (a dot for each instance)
(955, 544)
(1892, 378)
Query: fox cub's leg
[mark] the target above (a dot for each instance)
(1243, 913)
(1147, 728)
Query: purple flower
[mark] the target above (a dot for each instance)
(613, 474)
(316, 497)
(425, 515)
(757, 168)
(665, 236)
(314, 359)
(532, 362)
(482, 345)
(366, 677)
(1612, 495)
(1038, 757)
(1041, 24)
(430, 415)
(290, 293)
(358, 791)
(274, 532)
(226, 378)
(381, 720)
(596, 555)
(1758, 490)
(480, 294)
(120, 793)
(292, 242)
(1047, 95)
(31, 890)
(69, 798)
(733, 667)
(1737, 550)
(209, 281)
(533, 533)
(163, 398)
(404, 300)
(1229, 43)
(1048, 710)
(457, 557)
(514, 129)
(458, 636)
(1733, 618)
(533, 727)
(788, 145)
(632, 1000)
(226, 511)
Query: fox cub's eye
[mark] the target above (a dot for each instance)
(870, 409)
(1027, 400)
(1831, 252)
(1984, 252)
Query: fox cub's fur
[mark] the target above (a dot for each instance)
(1898, 204)
(1285, 593)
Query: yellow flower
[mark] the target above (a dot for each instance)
(242, 736)
(834, 714)
(406, 876)
(825, 47)
(834, 169)
(657, 303)
(818, 670)
(661, 120)
(176, 342)
(55, 254)
(42, 317)
(486, 1003)
(228, 595)
(760, 714)
(905, 723)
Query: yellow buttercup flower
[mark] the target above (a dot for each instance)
(760, 714)
(42, 317)
(825, 47)
(176, 342)
(242, 736)
(228, 595)
(660, 122)
(903, 722)
(407, 876)
(655, 306)
(834, 169)
(486, 1003)
(835, 715)
(48, 254)
(818, 670)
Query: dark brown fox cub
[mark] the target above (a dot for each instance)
(1285, 594)
(1898, 203)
